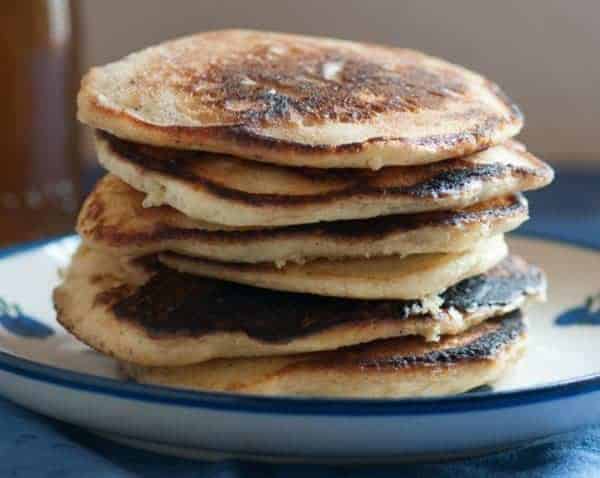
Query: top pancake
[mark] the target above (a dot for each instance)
(297, 101)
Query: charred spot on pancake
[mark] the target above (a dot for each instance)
(503, 284)
(454, 179)
(172, 302)
(439, 179)
(483, 342)
(175, 303)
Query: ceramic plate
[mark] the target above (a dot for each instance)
(554, 389)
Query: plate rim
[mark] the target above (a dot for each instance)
(351, 407)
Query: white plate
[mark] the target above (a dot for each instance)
(556, 388)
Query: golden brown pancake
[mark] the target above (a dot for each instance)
(234, 192)
(393, 368)
(385, 277)
(298, 101)
(113, 219)
(168, 318)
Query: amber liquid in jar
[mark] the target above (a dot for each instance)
(39, 177)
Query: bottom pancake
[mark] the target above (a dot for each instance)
(392, 368)
(160, 317)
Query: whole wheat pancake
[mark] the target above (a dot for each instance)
(393, 368)
(168, 318)
(227, 190)
(299, 101)
(113, 219)
(391, 277)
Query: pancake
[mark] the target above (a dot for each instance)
(297, 101)
(393, 368)
(391, 277)
(170, 319)
(234, 192)
(113, 219)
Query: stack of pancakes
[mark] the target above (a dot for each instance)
(301, 216)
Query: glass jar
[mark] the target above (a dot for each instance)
(39, 177)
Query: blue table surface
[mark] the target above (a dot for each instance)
(34, 446)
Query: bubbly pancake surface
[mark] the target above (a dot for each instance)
(297, 100)
(161, 317)
(392, 277)
(113, 219)
(235, 192)
(392, 368)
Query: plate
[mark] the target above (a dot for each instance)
(555, 388)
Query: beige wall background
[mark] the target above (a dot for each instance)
(545, 53)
